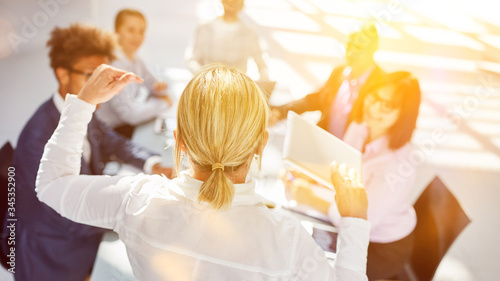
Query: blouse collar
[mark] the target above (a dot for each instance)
(244, 193)
(376, 147)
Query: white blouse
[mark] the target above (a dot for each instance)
(169, 235)
(230, 43)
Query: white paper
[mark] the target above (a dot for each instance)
(311, 150)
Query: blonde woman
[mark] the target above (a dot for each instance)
(207, 224)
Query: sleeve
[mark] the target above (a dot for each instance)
(94, 200)
(307, 103)
(194, 52)
(311, 102)
(258, 56)
(350, 262)
(129, 111)
(114, 144)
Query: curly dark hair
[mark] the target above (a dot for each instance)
(67, 45)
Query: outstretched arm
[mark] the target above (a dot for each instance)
(58, 183)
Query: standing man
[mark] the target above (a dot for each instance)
(346, 86)
(48, 246)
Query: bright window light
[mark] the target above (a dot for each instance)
(315, 45)
(443, 36)
(493, 40)
(321, 71)
(446, 15)
(343, 8)
(480, 9)
(475, 160)
(429, 61)
(266, 4)
(304, 6)
(485, 129)
(290, 20)
(283, 72)
(349, 25)
(445, 87)
(459, 141)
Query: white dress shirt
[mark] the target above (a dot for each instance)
(128, 107)
(230, 43)
(388, 188)
(59, 103)
(169, 235)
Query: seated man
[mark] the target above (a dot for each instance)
(48, 246)
(346, 86)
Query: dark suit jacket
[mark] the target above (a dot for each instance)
(322, 100)
(48, 246)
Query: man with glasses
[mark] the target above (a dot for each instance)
(48, 246)
(346, 86)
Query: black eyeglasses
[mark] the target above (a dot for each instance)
(85, 74)
(387, 105)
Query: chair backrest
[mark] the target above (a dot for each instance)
(440, 219)
(6, 153)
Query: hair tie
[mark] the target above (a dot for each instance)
(217, 166)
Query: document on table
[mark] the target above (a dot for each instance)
(311, 150)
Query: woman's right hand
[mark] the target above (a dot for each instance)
(350, 194)
(105, 83)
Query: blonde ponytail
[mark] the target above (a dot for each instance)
(217, 190)
(221, 118)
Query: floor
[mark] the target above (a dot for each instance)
(451, 46)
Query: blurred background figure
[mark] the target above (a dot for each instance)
(226, 40)
(382, 127)
(346, 86)
(130, 108)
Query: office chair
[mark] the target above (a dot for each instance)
(440, 220)
(6, 153)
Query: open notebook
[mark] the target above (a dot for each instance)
(311, 150)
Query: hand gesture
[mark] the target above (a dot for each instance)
(159, 87)
(105, 83)
(350, 194)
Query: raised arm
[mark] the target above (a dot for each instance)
(194, 53)
(58, 183)
(258, 56)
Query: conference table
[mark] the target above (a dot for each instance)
(156, 135)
